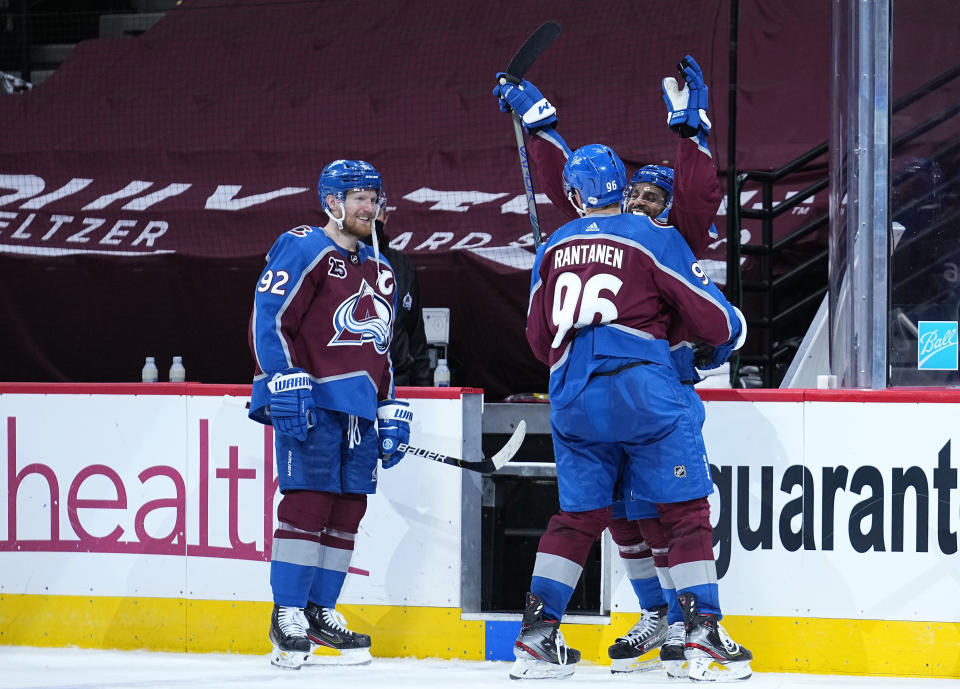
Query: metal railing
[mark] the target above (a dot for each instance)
(788, 296)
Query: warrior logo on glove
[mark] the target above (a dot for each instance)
(526, 100)
(291, 402)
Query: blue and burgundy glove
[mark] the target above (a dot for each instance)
(291, 402)
(687, 107)
(526, 100)
(393, 428)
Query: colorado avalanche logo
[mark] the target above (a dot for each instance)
(363, 317)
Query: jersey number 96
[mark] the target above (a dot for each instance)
(575, 303)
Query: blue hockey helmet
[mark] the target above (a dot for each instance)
(660, 175)
(341, 176)
(597, 172)
(657, 175)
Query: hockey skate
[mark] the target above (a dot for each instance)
(328, 628)
(288, 634)
(540, 651)
(646, 635)
(712, 656)
(672, 652)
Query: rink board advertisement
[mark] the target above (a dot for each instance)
(155, 495)
(835, 518)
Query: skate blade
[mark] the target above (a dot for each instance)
(350, 656)
(524, 668)
(709, 670)
(676, 669)
(625, 665)
(288, 660)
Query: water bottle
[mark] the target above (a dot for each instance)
(441, 375)
(149, 372)
(178, 373)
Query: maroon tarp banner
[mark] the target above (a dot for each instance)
(141, 185)
(205, 135)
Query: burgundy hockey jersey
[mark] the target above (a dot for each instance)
(608, 290)
(329, 312)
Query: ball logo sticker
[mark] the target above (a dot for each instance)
(937, 346)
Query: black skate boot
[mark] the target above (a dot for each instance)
(712, 656)
(647, 635)
(672, 652)
(328, 628)
(540, 650)
(288, 634)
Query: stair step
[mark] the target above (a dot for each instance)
(154, 5)
(125, 25)
(50, 53)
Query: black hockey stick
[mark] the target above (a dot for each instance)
(538, 41)
(532, 48)
(485, 466)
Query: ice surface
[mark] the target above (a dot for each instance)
(72, 668)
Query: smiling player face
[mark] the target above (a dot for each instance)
(646, 199)
(359, 210)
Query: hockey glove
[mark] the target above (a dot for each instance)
(687, 107)
(393, 428)
(291, 402)
(706, 357)
(526, 100)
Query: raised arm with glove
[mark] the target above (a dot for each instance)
(526, 100)
(687, 106)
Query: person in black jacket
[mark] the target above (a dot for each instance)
(408, 349)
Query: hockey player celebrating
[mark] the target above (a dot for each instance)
(686, 196)
(606, 290)
(320, 335)
(650, 192)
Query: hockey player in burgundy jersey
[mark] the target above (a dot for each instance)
(605, 291)
(688, 200)
(320, 335)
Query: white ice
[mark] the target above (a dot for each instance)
(72, 668)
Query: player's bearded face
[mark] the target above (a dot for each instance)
(360, 209)
(646, 199)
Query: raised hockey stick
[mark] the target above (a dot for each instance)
(532, 48)
(538, 41)
(485, 466)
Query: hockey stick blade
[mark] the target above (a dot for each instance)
(507, 452)
(538, 41)
(484, 466)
